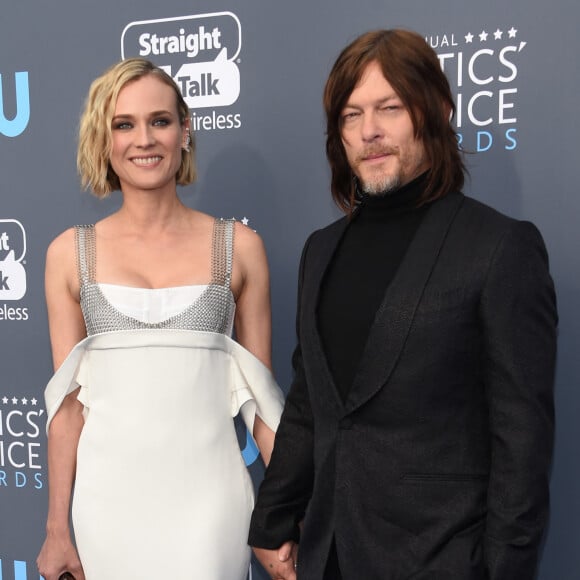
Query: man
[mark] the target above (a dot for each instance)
(416, 439)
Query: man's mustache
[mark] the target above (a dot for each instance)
(375, 152)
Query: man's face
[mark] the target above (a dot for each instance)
(377, 134)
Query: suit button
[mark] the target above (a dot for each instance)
(345, 423)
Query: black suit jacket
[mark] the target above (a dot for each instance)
(436, 465)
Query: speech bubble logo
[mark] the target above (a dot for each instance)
(199, 52)
(12, 272)
(183, 36)
(209, 84)
(12, 232)
(12, 279)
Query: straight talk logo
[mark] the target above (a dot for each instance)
(201, 53)
(12, 272)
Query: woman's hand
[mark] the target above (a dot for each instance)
(57, 556)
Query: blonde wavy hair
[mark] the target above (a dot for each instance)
(95, 133)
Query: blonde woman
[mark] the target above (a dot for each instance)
(141, 308)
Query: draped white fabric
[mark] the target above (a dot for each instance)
(159, 455)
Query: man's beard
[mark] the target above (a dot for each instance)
(409, 165)
(382, 185)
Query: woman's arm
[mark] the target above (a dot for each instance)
(66, 328)
(253, 322)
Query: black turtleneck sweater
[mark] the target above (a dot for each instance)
(364, 264)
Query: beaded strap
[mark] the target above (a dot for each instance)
(85, 253)
(222, 251)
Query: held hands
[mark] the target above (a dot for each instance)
(280, 564)
(57, 556)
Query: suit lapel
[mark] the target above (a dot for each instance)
(395, 315)
(318, 263)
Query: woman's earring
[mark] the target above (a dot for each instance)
(187, 141)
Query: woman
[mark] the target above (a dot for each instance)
(141, 307)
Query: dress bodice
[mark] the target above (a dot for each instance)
(107, 308)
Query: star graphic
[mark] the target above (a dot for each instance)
(24, 401)
(33, 401)
(483, 36)
(5, 400)
(245, 220)
(497, 34)
(469, 38)
(14, 400)
(512, 32)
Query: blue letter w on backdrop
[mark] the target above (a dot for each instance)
(19, 571)
(15, 126)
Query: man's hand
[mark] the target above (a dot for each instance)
(280, 564)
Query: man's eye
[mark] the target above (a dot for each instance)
(350, 116)
(390, 108)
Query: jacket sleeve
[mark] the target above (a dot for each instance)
(518, 310)
(287, 485)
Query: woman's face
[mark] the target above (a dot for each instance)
(147, 136)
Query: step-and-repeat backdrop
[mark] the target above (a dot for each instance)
(252, 73)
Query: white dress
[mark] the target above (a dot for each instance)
(161, 488)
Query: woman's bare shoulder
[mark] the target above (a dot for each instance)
(247, 239)
(62, 246)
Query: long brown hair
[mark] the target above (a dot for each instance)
(412, 68)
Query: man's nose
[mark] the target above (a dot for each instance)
(371, 128)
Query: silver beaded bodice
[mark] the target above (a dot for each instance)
(211, 312)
